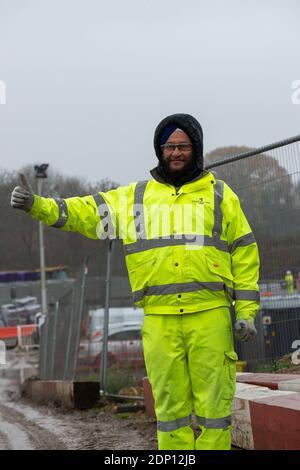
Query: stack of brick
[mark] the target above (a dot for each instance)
(266, 419)
(274, 381)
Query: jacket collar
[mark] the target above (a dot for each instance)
(202, 180)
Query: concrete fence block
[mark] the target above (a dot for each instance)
(69, 394)
(265, 419)
(293, 385)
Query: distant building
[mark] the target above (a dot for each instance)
(52, 272)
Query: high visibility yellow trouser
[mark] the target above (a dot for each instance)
(290, 288)
(191, 365)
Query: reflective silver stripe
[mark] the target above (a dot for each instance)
(229, 291)
(167, 426)
(63, 213)
(138, 209)
(162, 242)
(242, 241)
(177, 288)
(247, 295)
(217, 243)
(214, 423)
(104, 214)
(218, 215)
(98, 199)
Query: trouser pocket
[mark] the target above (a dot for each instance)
(230, 358)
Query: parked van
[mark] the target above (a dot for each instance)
(117, 315)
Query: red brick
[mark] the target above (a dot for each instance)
(149, 401)
(275, 422)
(265, 380)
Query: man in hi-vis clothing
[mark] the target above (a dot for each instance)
(190, 253)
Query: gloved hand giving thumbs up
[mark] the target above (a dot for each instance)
(21, 198)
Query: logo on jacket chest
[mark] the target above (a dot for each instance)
(201, 200)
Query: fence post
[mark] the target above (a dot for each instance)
(2, 353)
(103, 365)
(54, 340)
(43, 351)
(67, 359)
(80, 312)
(19, 336)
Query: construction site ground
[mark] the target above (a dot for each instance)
(25, 425)
(28, 426)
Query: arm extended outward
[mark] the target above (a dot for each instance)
(94, 216)
(75, 214)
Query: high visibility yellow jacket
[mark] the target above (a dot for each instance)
(289, 280)
(187, 250)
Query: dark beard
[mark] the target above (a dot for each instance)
(178, 178)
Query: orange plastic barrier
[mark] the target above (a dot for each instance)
(8, 332)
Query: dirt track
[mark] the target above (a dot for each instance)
(24, 425)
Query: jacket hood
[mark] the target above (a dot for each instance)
(190, 126)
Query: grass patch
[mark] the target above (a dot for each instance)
(120, 377)
(276, 365)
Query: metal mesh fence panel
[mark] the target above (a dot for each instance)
(63, 337)
(268, 186)
(125, 362)
(60, 333)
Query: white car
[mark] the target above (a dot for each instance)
(124, 345)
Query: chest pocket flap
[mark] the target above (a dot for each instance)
(219, 267)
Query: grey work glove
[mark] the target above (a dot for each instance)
(244, 330)
(21, 198)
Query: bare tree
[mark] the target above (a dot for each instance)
(268, 196)
(19, 247)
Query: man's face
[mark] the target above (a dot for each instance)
(177, 159)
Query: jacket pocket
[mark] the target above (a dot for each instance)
(141, 271)
(140, 264)
(219, 268)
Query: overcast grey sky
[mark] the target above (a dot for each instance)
(87, 81)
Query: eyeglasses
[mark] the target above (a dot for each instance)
(170, 148)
